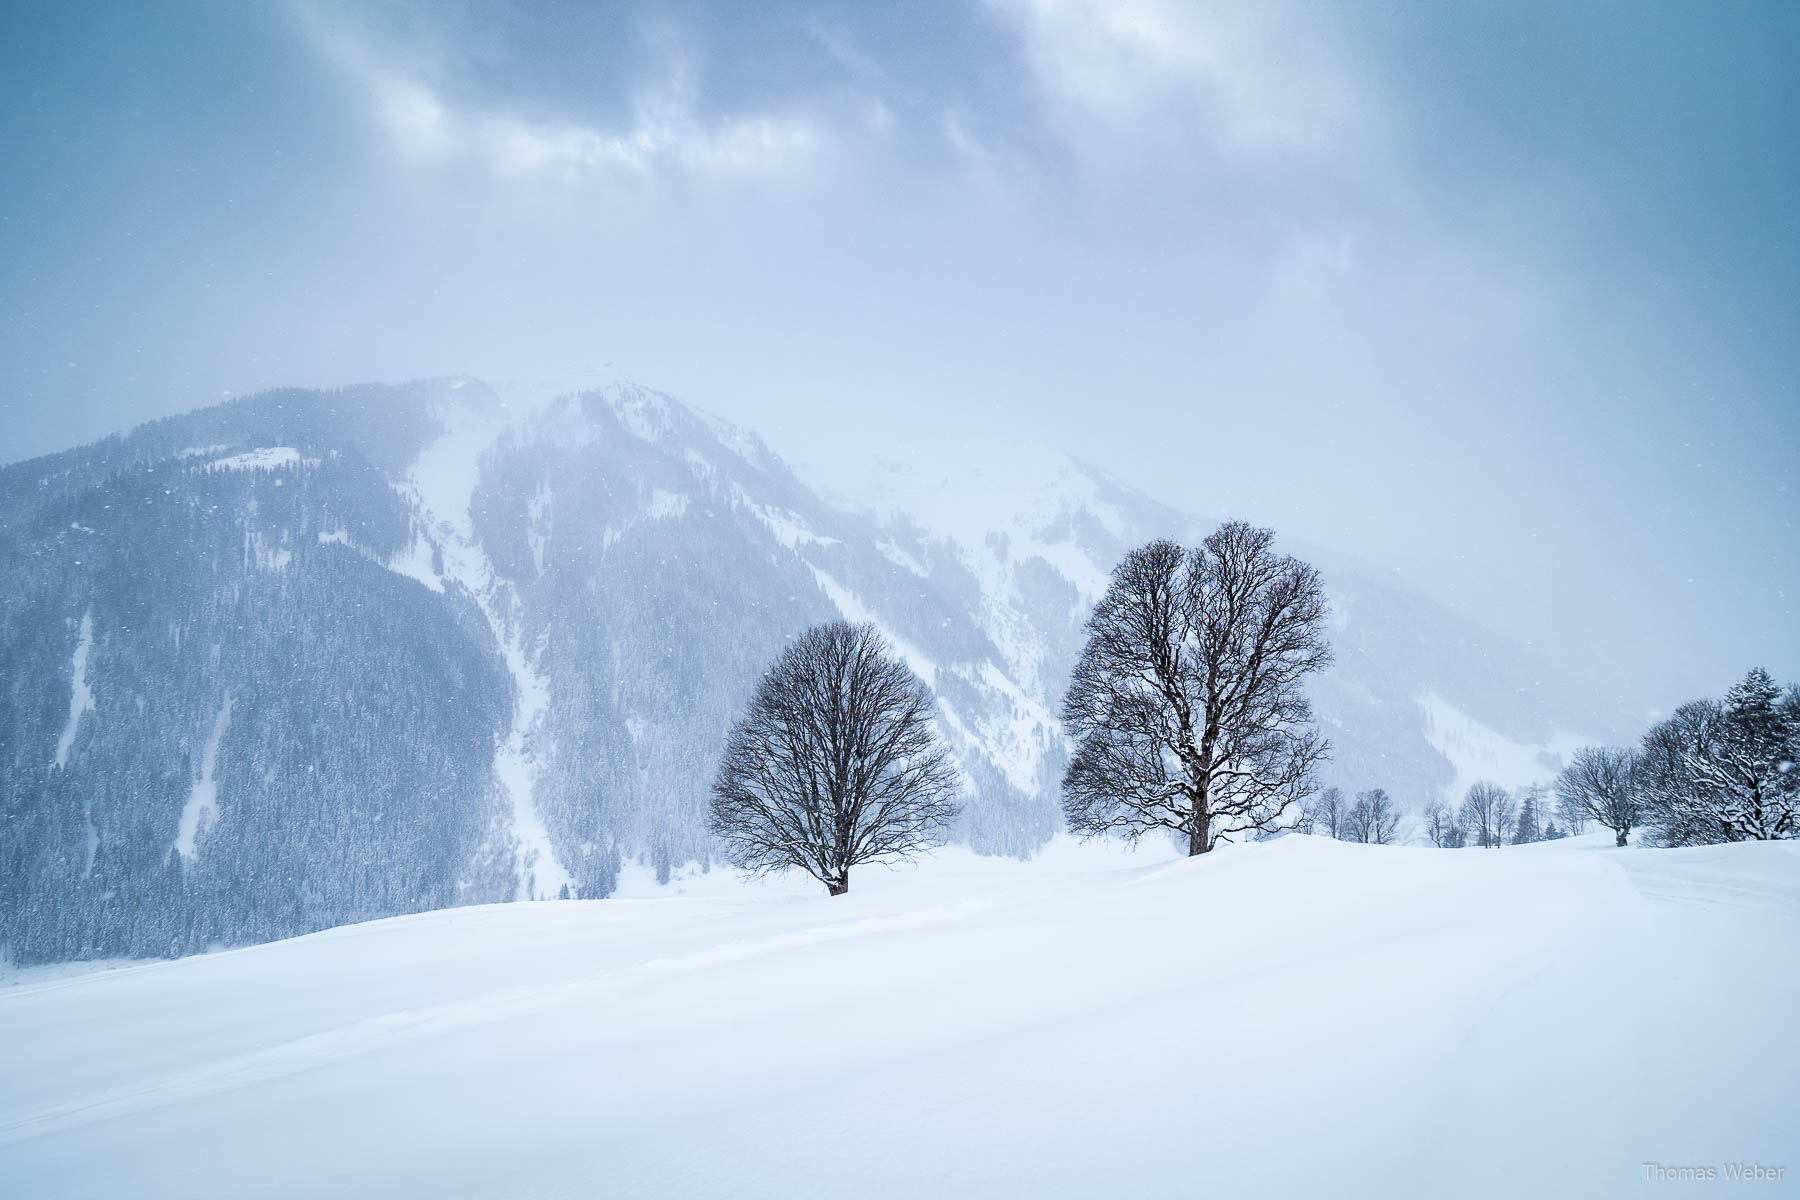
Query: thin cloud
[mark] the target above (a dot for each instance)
(1253, 78)
(665, 138)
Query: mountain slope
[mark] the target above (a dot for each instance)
(317, 657)
(661, 559)
(1420, 700)
(225, 717)
(1300, 1017)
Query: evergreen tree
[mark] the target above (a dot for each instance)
(1531, 805)
(1744, 774)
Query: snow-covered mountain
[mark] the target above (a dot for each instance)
(313, 657)
(1421, 700)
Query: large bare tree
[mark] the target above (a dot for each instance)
(1601, 783)
(834, 763)
(1187, 706)
(1671, 794)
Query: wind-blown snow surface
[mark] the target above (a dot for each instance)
(1299, 1017)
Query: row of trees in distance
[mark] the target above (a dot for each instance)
(1714, 771)
(1371, 817)
(1188, 714)
(1489, 815)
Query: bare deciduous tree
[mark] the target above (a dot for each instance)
(1187, 705)
(1373, 818)
(1574, 819)
(1442, 826)
(1487, 814)
(1326, 813)
(1506, 819)
(834, 763)
(1600, 783)
(1670, 793)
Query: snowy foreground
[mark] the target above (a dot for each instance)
(1295, 1018)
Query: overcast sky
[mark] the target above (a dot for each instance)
(1503, 296)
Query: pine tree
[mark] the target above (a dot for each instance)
(1746, 777)
(1531, 807)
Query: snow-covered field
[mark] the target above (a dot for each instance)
(1299, 1017)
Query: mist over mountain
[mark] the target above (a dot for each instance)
(314, 657)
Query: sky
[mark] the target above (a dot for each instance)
(1504, 297)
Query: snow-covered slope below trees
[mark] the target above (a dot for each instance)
(1295, 1018)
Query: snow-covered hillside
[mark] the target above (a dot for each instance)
(1300, 1017)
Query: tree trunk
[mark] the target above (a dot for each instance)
(1200, 835)
(838, 886)
(1622, 833)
